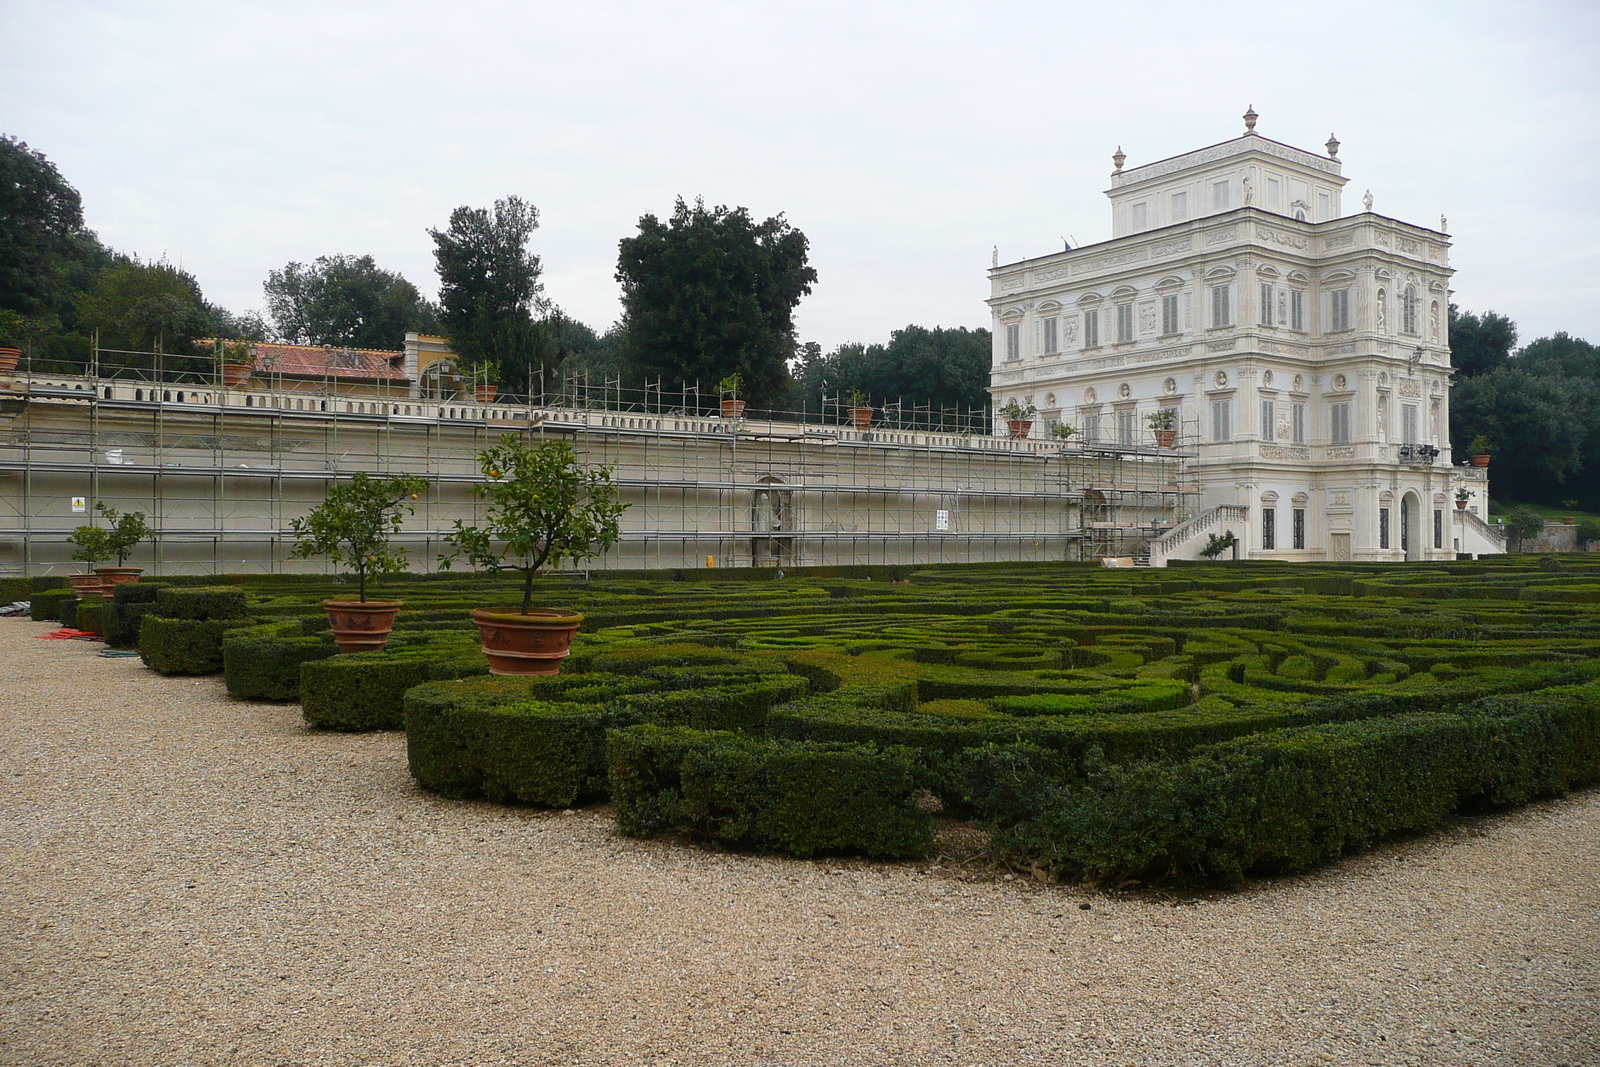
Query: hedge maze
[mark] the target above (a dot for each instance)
(1203, 721)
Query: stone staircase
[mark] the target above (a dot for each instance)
(1176, 542)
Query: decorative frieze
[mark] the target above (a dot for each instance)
(1217, 237)
(1042, 276)
(1171, 248)
(1338, 240)
(1118, 259)
(1221, 346)
(1285, 452)
(1287, 240)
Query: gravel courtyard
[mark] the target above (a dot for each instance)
(189, 880)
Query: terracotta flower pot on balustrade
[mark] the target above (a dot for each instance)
(236, 374)
(1166, 438)
(861, 418)
(1019, 428)
(486, 393)
(733, 409)
(1480, 461)
(361, 625)
(526, 644)
(8, 359)
(1461, 505)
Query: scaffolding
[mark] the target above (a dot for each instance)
(222, 467)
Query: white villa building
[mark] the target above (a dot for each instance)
(1303, 353)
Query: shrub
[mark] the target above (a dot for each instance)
(130, 603)
(200, 603)
(184, 646)
(263, 662)
(92, 614)
(46, 604)
(15, 589)
(366, 691)
(796, 797)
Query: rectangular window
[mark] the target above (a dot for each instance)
(1274, 193)
(1124, 323)
(1014, 341)
(1091, 428)
(1408, 424)
(1266, 420)
(1219, 196)
(1169, 315)
(1299, 527)
(1052, 336)
(1221, 311)
(1324, 207)
(1338, 310)
(1297, 310)
(1383, 527)
(1297, 415)
(1269, 528)
(1339, 423)
(1141, 216)
(1125, 428)
(1438, 528)
(1266, 305)
(1091, 329)
(1180, 207)
(1221, 420)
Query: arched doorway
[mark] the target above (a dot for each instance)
(1411, 526)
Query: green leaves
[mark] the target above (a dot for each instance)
(93, 544)
(345, 300)
(711, 293)
(125, 533)
(352, 526)
(544, 508)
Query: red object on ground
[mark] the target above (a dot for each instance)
(66, 634)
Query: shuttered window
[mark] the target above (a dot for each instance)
(1221, 305)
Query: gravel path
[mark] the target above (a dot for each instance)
(187, 880)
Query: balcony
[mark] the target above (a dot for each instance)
(1417, 455)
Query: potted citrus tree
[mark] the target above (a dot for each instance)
(352, 526)
(728, 390)
(124, 532)
(861, 410)
(90, 545)
(1019, 418)
(486, 377)
(1063, 432)
(238, 363)
(1163, 423)
(544, 507)
(1480, 450)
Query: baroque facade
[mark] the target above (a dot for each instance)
(1302, 354)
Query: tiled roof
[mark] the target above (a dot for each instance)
(313, 361)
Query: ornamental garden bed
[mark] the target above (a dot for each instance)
(1204, 722)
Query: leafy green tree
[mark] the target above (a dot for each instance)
(711, 292)
(147, 307)
(489, 286)
(353, 524)
(939, 367)
(346, 300)
(1538, 423)
(543, 508)
(125, 530)
(41, 223)
(1480, 343)
(1560, 356)
(1524, 522)
(91, 544)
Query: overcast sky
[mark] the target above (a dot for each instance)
(903, 139)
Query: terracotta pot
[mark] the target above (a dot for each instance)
(1019, 428)
(111, 577)
(8, 359)
(1480, 461)
(87, 584)
(1461, 505)
(236, 374)
(1568, 519)
(732, 409)
(1166, 438)
(361, 626)
(861, 418)
(485, 393)
(526, 644)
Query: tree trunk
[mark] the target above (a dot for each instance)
(527, 592)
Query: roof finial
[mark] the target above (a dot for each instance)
(1250, 117)
(1118, 159)
(1333, 147)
